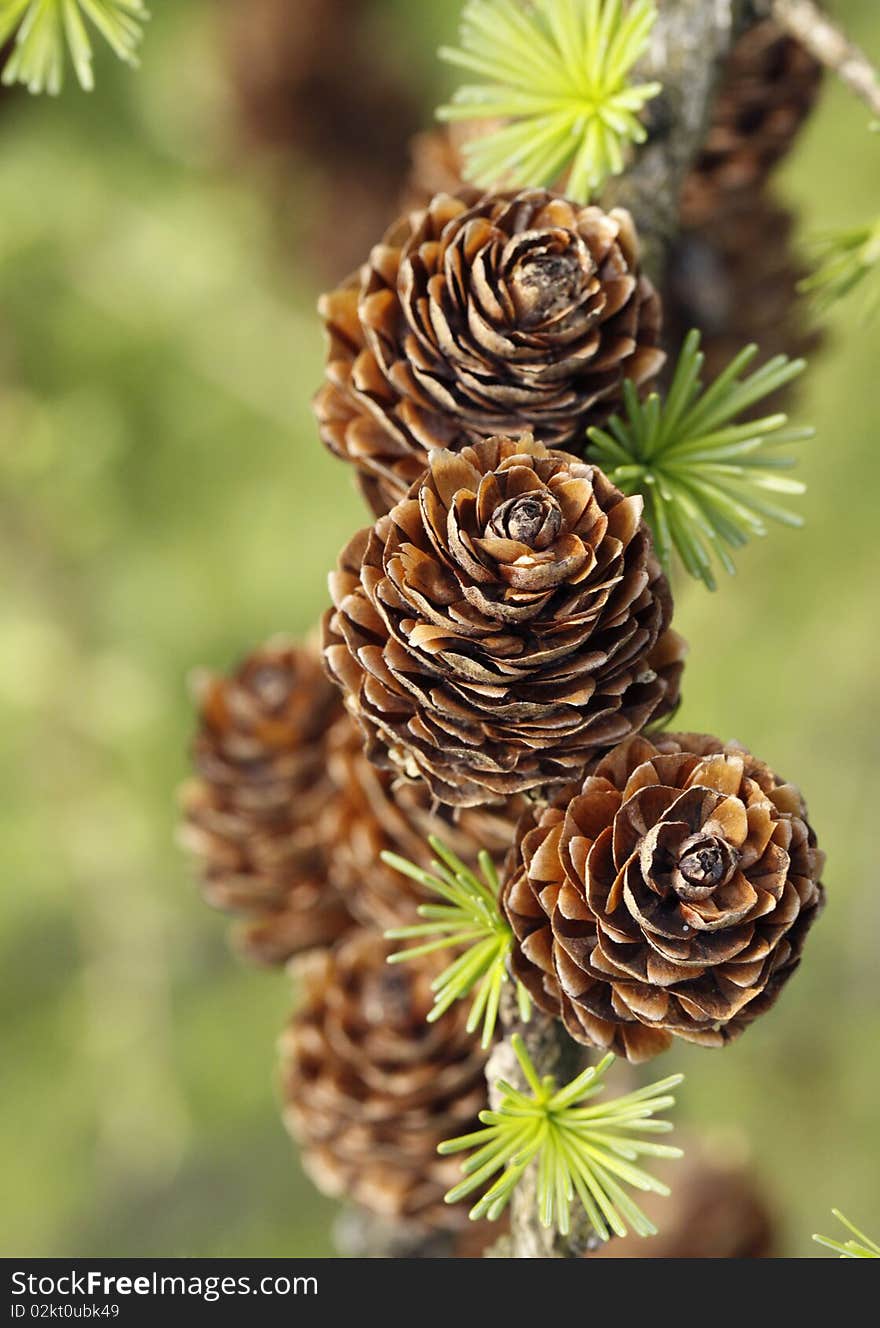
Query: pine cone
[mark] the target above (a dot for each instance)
(370, 1089)
(483, 315)
(252, 817)
(494, 632)
(767, 92)
(670, 895)
(737, 279)
(372, 813)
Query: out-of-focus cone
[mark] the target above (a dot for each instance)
(373, 813)
(314, 80)
(252, 816)
(437, 162)
(736, 279)
(734, 270)
(370, 1089)
(767, 92)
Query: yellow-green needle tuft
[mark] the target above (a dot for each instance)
(557, 73)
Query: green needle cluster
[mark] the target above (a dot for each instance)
(844, 261)
(708, 477)
(584, 1152)
(45, 30)
(468, 919)
(859, 1248)
(557, 73)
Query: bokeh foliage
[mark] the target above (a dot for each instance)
(164, 503)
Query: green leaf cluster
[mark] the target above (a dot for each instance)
(584, 1152)
(46, 31)
(844, 262)
(709, 478)
(557, 73)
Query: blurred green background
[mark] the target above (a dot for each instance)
(164, 503)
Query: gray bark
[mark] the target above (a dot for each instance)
(690, 43)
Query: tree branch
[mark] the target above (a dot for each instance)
(552, 1052)
(689, 46)
(820, 35)
(362, 1235)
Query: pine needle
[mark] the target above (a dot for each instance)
(580, 1152)
(556, 71)
(48, 32)
(709, 480)
(845, 261)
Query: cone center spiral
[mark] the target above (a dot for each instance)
(534, 519)
(705, 864)
(550, 277)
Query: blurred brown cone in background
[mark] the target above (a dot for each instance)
(287, 818)
(734, 269)
(316, 80)
(736, 279)
(768, 89)
(372, 813)
(252, 815)
(370, 1089)
(436, 161)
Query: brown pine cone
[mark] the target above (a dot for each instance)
(737, 280)
(370, 1089)
(252, 816)
(494, 631)
(670, 895)
(480, 315)
(767, 92)
(372, 813)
